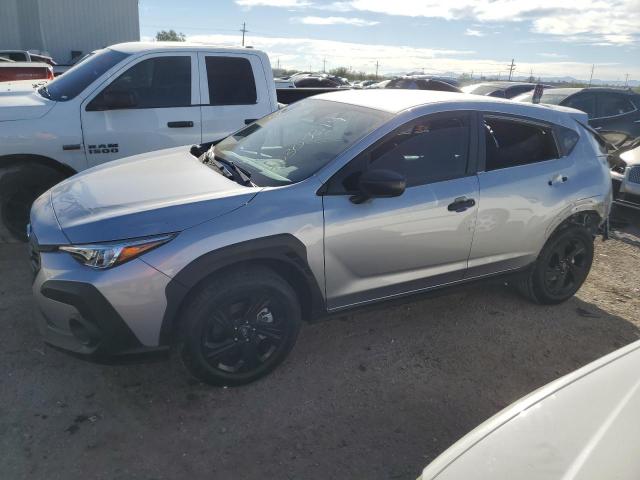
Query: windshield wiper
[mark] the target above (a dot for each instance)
(239, 174)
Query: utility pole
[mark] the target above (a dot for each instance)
(626, 80)
(243, 30)
(531, 79)
(278, 67)
(324, 65)
(512, 68)
(471, 76)
(591, 77)
(377, 65)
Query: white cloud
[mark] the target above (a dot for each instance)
(608, 22)
(473, 33)
(552, 55)
(356, 22)
(305, 53)
(273, 3)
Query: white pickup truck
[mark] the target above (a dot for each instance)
(120, 101)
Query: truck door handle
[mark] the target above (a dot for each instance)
(247, 121)
(558, 179)
(461, 204)
(187, 124)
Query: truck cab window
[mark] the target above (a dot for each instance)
(230, 81)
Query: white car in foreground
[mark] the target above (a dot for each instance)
(585, 425)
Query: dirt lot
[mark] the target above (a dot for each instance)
(376, 394)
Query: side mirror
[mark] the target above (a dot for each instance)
(114, 100)
(379, 184)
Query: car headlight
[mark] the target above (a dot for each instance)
(110, 254)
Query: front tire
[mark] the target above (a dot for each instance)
(19, 188)
(561, 268)
(239, 327)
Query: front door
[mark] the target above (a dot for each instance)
(153, 104)
(390, 246)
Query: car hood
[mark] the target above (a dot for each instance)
(21, 102)
(157, 192)
(583, 425)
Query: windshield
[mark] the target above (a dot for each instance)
(294, 143)
(76, 79)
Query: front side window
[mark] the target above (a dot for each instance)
(510, 143)
(611, 105)
(81, 75)
(431, 149)
(156, 83)
(293, 143)
(585, 103)
(230, 81)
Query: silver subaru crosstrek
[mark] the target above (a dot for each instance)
(336, 201)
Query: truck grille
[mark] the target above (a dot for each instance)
(34, 254)
(634, 174)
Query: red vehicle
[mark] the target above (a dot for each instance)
(12, 71)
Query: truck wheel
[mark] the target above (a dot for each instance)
(561, 268)
(19, 188)
(239, 327)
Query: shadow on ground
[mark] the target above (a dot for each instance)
(376, 394)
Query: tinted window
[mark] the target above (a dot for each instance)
(230, 81)
(403, 83)
(510, 143)
(80, 76)
(295, 142)
(157, 82)
(611, 104)
(431, 149)
(582, 102)
(518, 90)
(15, 56)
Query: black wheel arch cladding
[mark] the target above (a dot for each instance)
(284, 253)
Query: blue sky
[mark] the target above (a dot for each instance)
(434, 35)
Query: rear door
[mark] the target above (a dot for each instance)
(524, 184)
(233, 91)
(390, 246)
(164, 110)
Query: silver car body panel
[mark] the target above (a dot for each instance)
(356, 253)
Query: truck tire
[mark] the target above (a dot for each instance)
(19, 187)
(561, 268)
(240, 326)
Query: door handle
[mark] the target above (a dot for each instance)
(186, 124)
(461, 204)
(247, 121)
(558, 179)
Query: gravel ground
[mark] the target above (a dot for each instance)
(376, 394)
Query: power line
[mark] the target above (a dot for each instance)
(243, 30)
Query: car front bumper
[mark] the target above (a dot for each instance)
(99, 314)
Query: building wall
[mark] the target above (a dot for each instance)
(61, 26)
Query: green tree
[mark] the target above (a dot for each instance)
(170, 36)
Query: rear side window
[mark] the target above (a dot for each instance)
(567, 140)
(431, 149)
(611, 104)
(230, 81)
(511, 142)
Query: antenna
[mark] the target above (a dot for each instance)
(243, 30)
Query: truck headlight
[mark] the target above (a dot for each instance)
(110, 254)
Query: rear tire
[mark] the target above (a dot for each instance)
(239, 327)
(19, 188)
(561, 268)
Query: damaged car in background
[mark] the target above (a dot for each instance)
(625, 175)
